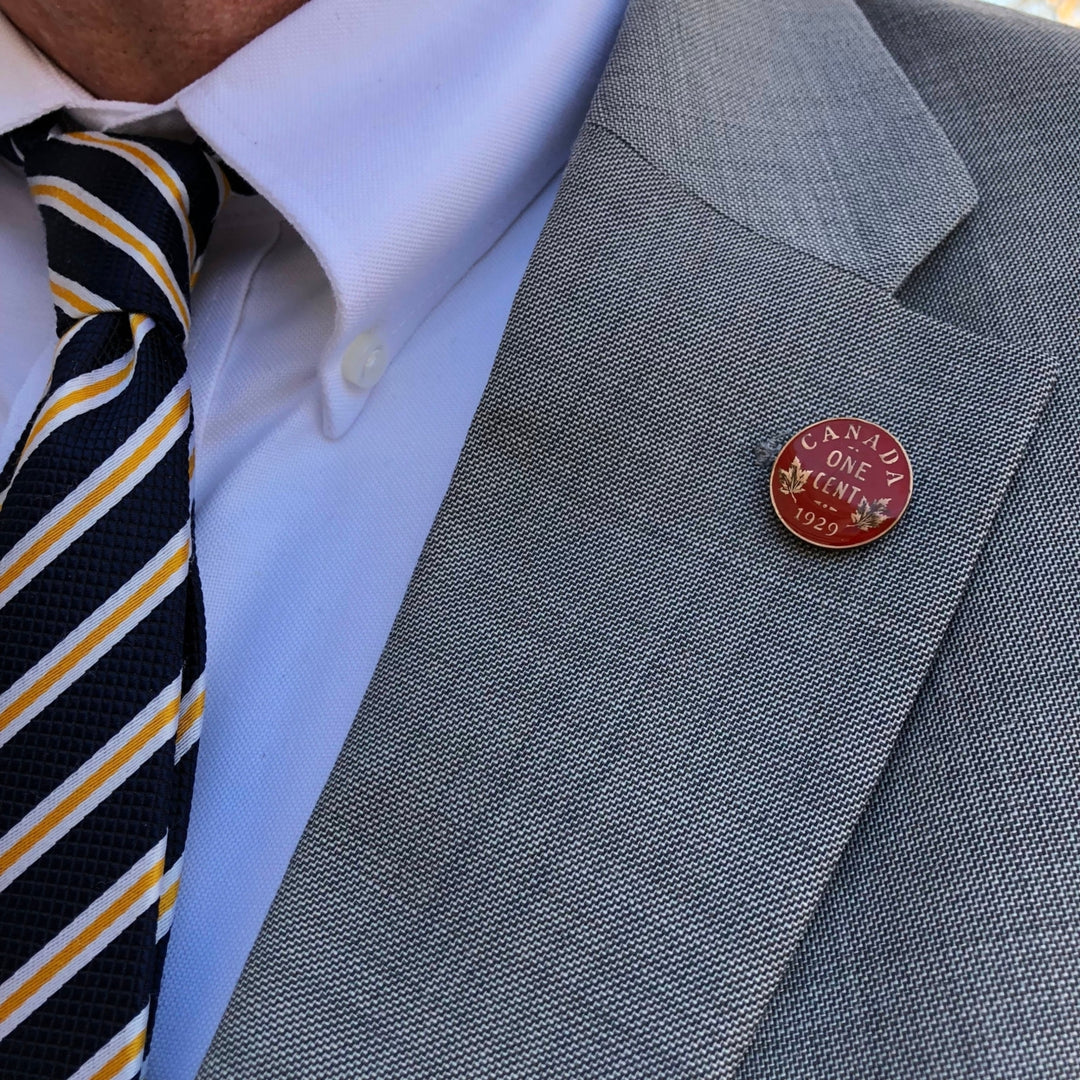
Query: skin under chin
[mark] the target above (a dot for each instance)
(142, 50)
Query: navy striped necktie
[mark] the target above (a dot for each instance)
(101, 622)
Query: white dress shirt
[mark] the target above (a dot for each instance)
(406, 153)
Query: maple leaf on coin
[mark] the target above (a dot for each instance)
(870, 515)
(793, 478)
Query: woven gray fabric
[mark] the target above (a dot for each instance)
(948, 943)
(625, 723)
(792, 118)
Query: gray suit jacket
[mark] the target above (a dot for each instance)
(643, 785)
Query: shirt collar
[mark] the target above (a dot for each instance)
(400, 143)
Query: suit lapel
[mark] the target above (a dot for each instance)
(624, 723)
(793, 119)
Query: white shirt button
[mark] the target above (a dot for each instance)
(364, 361)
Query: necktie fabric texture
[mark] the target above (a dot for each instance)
(102, 639)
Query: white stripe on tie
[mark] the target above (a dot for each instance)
(81, 940)
(191, 710)
(154, 167)
(170, 883)
(84, 393)
(80, 207)
(67, 335)
(66, 662)
(121, 1057)
(85, 302)
(90, 785)
(97, 494)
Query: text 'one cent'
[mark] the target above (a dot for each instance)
(841, 483)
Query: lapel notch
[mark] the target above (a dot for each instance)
(793, 119)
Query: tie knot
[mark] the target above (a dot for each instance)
(126, 218)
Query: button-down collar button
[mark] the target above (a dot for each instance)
(364, 361)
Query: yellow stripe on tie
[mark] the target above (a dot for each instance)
(60, 195)
(77, 302)
(80, 941)
(92, 498)
(168, 898)
(192, 715)
(124, 1056)
(96, 636)
(140, 154)
(100, 776)
(82, 394)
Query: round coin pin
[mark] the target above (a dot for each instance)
(841, 483)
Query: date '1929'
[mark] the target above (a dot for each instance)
(841, 482)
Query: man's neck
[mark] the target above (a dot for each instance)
(142, 50)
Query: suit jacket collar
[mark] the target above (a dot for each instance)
(793, 119)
